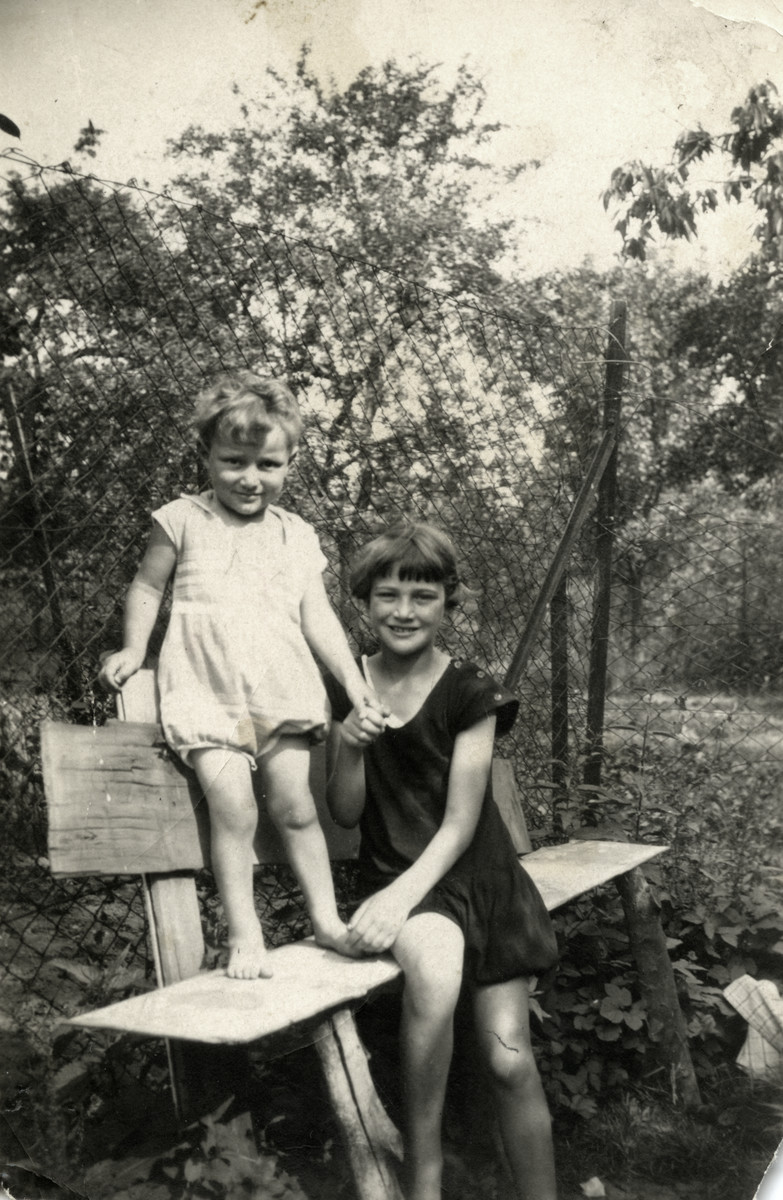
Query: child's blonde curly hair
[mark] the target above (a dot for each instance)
(243, 407)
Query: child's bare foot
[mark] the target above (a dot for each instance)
(334, 936)
(248, 958)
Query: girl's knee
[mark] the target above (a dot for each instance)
(430, 951)
(510, 1062)
(428, 995)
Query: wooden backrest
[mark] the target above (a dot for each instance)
(121, 803)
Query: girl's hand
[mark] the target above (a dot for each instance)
(363, 698)
(362, 726)
(118, 667)
(376, 924)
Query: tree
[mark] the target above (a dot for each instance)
(121, 307)
(735, 332)
(729, 338)
(83, 270)
(649, 198)
(391, 171)
(345, 245)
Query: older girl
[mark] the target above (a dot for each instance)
(445, 890)
(238, 682)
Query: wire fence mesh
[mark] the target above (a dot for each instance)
(121, 305)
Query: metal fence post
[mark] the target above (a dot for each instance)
(645, 933)
(615, 359)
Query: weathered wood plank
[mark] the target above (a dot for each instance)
(210, 1007)
(309, 981)
(174, 920)
(120, 803)
(506, 796)
(561, 873)
(139, 699)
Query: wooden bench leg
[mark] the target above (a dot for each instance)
(658, 987)
(203, 1078)
(372, 1140)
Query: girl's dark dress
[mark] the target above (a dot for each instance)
(487, 893)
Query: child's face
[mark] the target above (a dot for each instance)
(405, 614)
(248, 476)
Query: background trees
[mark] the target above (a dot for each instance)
(345, 240)
(299, 248)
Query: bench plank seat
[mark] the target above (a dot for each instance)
(309, 981)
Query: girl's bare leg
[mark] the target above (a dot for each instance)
(291, 806)
(225, 779)
(502, 1017)
(429, 949)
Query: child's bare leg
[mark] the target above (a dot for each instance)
(225, 779)
(503, 1026)
(291, 806)
(430, 950)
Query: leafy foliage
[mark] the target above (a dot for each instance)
(388, 170)
(211, 1160)
(649, 198)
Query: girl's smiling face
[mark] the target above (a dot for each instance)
(249, 476)
(405, 614)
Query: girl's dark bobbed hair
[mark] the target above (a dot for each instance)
(418, 550)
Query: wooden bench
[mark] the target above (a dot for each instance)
(121, 804)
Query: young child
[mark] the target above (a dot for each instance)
(238, 683)
(445, 891)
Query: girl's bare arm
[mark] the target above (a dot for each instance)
(142, 606)
(378, 921)
(345, 785)
(326, 637)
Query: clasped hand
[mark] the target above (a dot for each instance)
(376, 924)
(364, 723)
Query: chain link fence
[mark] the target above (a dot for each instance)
(121, 305)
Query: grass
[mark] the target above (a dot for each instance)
(719, 1153)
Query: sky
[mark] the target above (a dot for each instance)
(582, 85)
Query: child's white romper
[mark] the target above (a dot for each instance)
(235, 669)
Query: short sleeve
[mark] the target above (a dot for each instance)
(338, 697)
(308, 548)
(171, 518)
(479, 696)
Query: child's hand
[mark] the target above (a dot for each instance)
(363, 697)
(118, 667)
(376, 924)
(363, 725)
